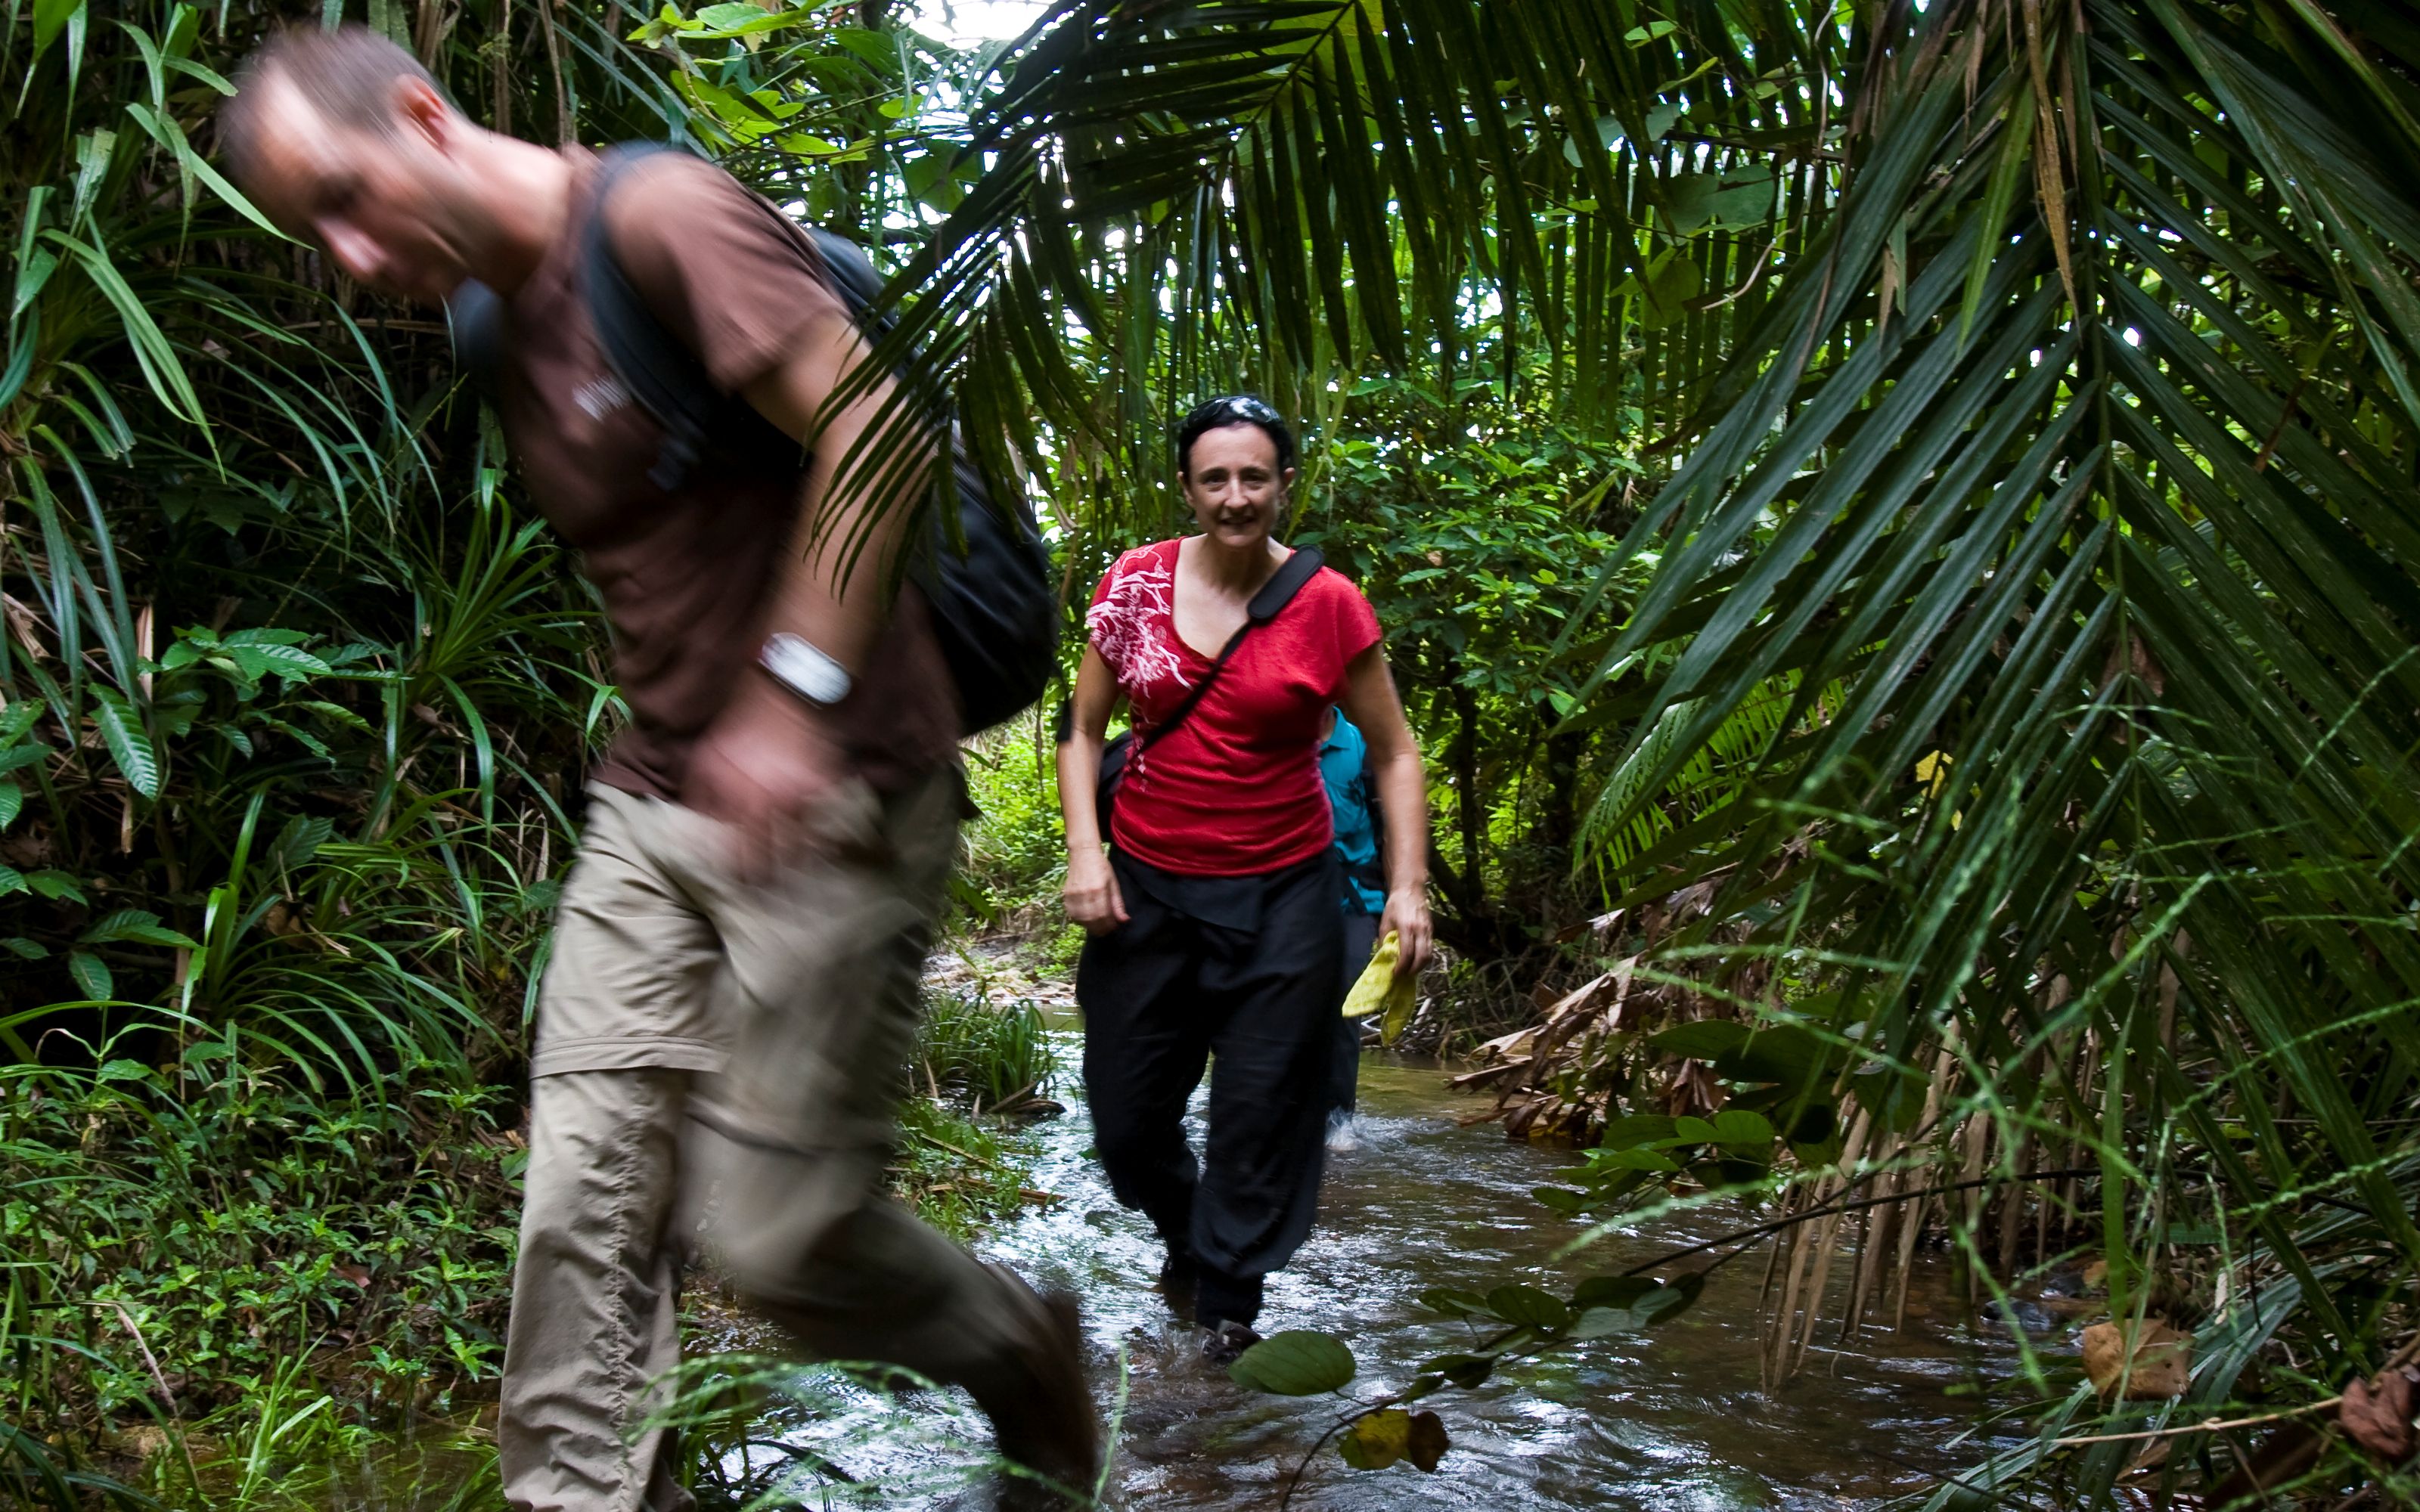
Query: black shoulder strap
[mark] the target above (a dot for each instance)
(657, 367)
(1265, 605)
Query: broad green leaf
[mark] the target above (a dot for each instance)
(1468, 1371)
(1635, 1129)
(32, 274)
(1605, 1322)
(1447, 1299)
(1562, 1199)
(1529, 1306)
(92, 973)
(133, 925)
(339, 713)
(284, 663)
(1778, 1053)
(1612, 1291)
(298, 843)
(1637, 1158)
(1377, 1439)
(54, 885)
(1739, 1126)
(1297, 1362)
(24, 949)
(129, 746)
(49, 17)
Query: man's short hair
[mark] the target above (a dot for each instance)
(349, 76)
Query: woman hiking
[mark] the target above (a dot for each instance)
(1210, 902)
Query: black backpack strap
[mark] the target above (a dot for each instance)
(1265, 605)
(657, 367)
(851, 274)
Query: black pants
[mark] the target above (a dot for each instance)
(1161, 994)
(1344, 1079)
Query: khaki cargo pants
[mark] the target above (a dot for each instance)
(666, 970)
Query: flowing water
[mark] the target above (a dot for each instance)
(1671, 1420)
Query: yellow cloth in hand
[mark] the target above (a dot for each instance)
(1378, 988)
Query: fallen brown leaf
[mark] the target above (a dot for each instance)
(2161, 1364)
(2379, 1415)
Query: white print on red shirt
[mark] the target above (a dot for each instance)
(1125, 626)
(1130, 626)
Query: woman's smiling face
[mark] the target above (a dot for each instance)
(1232, 482)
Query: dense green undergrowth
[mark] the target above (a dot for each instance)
(218, 1247)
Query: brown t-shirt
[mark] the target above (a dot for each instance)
(686, 576)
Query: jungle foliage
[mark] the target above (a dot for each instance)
(296, 697)
(2026, 544)
(1897, 523)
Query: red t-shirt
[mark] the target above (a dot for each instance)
(1235, 790)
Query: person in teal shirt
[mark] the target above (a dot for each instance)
(1344, 767)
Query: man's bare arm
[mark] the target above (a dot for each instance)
(832, 592)
(769, 761)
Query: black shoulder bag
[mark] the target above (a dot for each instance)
(1265, 605)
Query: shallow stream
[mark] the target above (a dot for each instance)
(1671, 1420)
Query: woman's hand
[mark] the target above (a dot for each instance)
(1092, 892)
(1407, 916)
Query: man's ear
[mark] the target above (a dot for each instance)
(423, 112)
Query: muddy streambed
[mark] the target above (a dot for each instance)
(1671, 1420)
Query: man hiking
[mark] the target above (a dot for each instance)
(768, 843)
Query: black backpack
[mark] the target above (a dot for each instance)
(995, 613)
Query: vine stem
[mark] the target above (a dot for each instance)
(1828, 1210)
(2402, 1357)
(1303, 1469)
(2208, 1425)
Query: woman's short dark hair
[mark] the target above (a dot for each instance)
(1232, 410)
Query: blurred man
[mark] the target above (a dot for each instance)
(767, 842)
